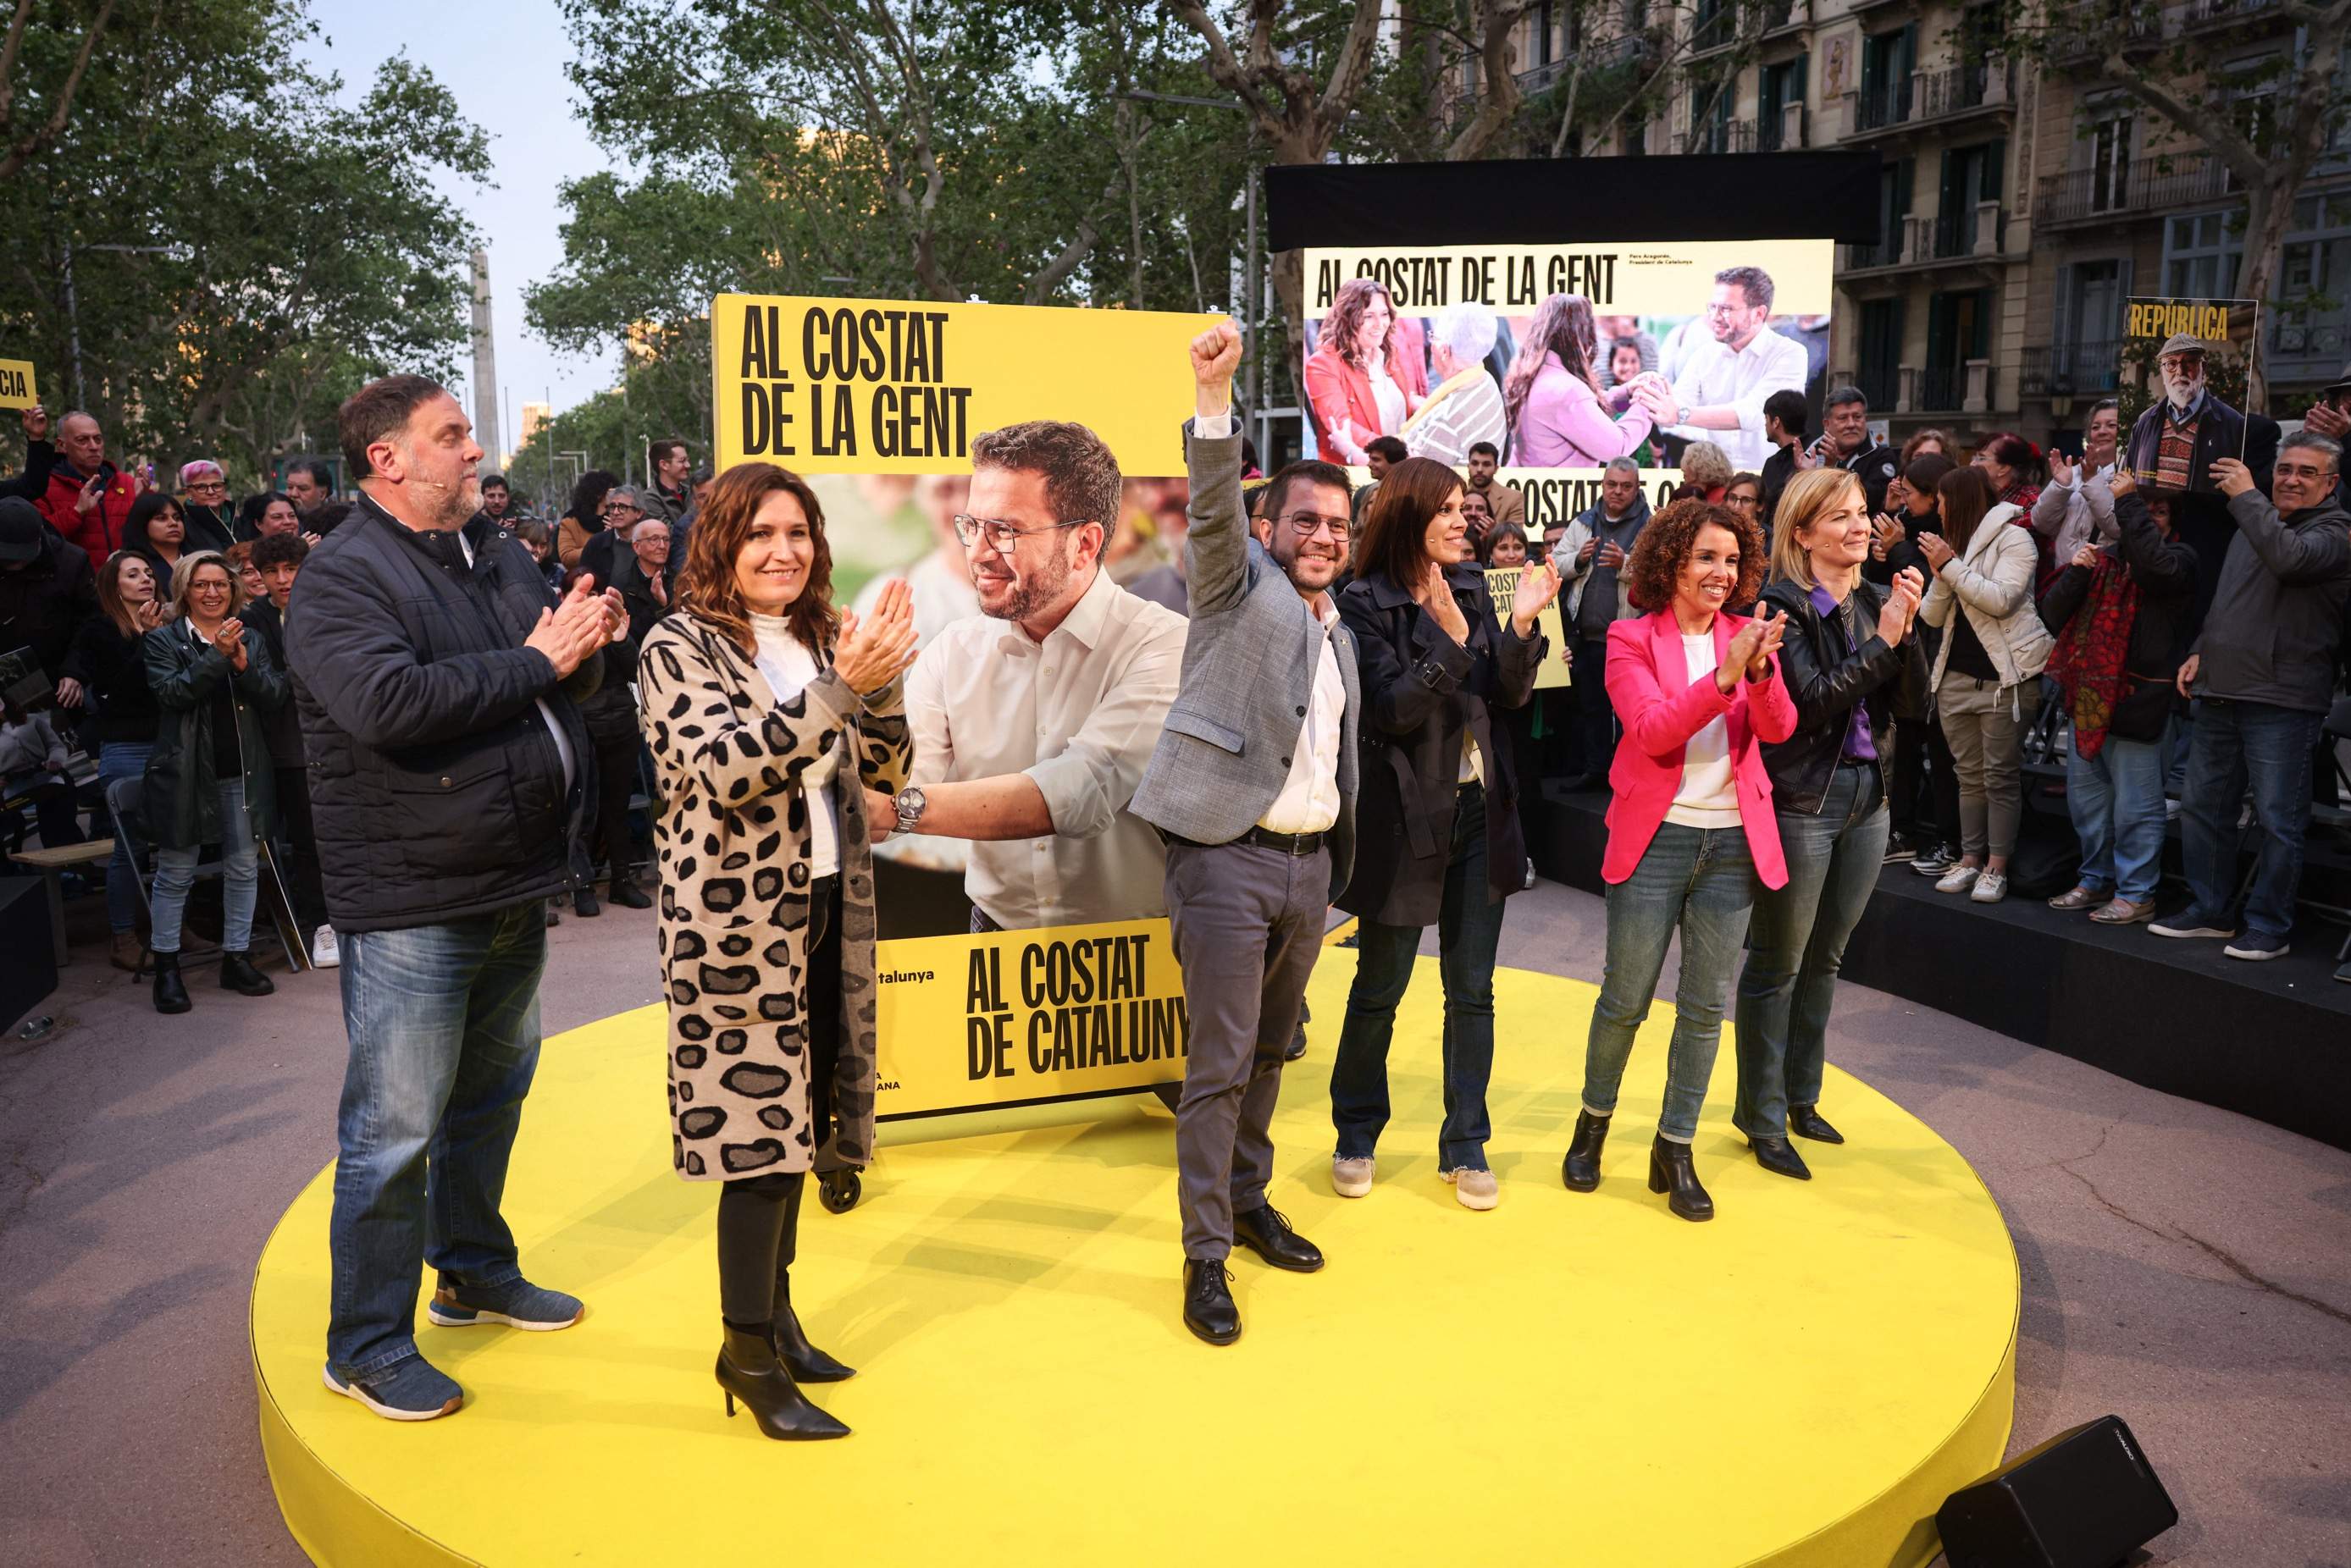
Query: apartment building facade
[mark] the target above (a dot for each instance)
(2016, 210)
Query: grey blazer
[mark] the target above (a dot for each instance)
(1250, 657)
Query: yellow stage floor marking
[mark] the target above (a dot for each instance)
(1567, 1379)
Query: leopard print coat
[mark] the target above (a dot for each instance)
(732, 842)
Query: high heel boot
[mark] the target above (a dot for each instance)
(749, 1371)
(804, 1361)
(1581, 1169)
(1671, 1173)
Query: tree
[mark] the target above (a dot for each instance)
(222, 248)
(2266, 121)
(1020, 154)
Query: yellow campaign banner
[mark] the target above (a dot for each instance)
(1558, 496)
(1002, 1017)
(1636, 277)
(1502, 584)
(16, 384)
(859, 385)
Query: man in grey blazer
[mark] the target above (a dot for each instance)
(1253, 786)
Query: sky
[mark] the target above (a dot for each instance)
(507, 77)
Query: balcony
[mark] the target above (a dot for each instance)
(1536, 80)
(1887, 252)
(1925, 97)
(1720, 136)
(1881, 384)
(1785, 132)
(2171, 182)
(1981, 230)
(1962, 389)
(2202, 14)
(2087, 28)
(2076, 370)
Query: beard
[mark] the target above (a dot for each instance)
(2182, 389)
(1023, 596)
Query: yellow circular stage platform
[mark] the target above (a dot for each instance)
(1566, 1378)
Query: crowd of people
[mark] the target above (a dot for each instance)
(154, 705)
(1786, 676)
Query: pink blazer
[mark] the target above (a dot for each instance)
(1661, 708)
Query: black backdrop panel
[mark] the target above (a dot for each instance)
(1547, 201)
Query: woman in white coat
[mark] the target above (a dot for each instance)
(1987, 678)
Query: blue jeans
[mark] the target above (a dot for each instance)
(1468, 927)
(175, 873)
(1797, 946)
(1700, 881)
(444, 1025)
(122, 760)
(2116, 799)
(2267, 747)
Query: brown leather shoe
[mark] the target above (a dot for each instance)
(2079, 898)
(129, 952)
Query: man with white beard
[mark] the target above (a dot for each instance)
(2175, 443)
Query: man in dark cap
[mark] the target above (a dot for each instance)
(2175, 443)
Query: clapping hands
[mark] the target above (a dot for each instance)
(1538, 586)
(1753, 647)
(873, 652)
(1901, 608)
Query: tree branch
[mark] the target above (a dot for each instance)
(34, 141)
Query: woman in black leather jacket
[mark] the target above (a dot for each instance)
(1438, 838)
(1841, 660)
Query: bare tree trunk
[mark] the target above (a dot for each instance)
(1499, 98)
(1567, 116)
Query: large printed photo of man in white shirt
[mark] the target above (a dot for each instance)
(1033, 721)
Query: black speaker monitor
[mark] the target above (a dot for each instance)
(2085, 1499)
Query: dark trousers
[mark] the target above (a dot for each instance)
(1795, 945)
(1595, 721)
(1248, 924)
(607, 836)
(759, 1216)
(304, 886)
(1926, 802)
(1468, 928)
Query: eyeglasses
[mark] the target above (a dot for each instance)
(1002, 536)
(1306, 524)
(208, 485)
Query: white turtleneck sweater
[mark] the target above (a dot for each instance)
(788, 664)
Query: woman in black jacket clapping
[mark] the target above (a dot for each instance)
(1840, 660)
(2120, 615)
(1438, 838)
(210, 779)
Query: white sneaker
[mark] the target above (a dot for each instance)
(324, 953)
(1350, 1177)
(1475, 1189)
(1959, 878)
(1990, 889)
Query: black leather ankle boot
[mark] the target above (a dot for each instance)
(238, 974)
(1671, 1173)
(804, 1361)
(749, 1371)
(171, 991)
(1581, 1169)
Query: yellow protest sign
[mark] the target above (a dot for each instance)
(1502, 584)
(16, 384)
(858, 386)
(1009, 1017)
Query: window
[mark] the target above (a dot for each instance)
(2110, 150)
(1879, 369)
(2199, 256)
(1540, 18)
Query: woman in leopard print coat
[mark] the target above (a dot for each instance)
(768, 716)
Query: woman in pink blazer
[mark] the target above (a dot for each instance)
(1358, 384)
(1692, 825)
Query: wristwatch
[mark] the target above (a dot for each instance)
(1681, 413)
(910, 802)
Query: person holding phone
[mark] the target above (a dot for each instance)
(1691, 827)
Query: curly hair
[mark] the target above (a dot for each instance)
(1665, 547)
(1347, 314)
